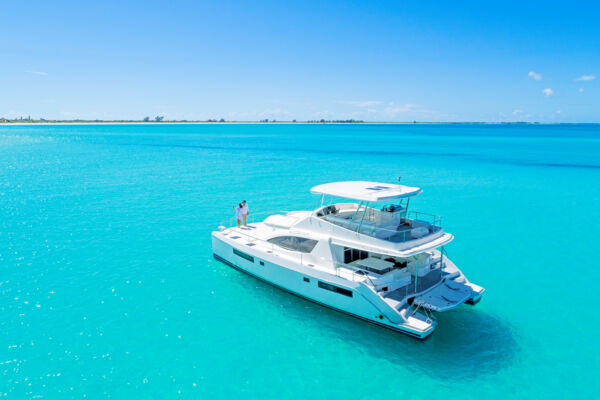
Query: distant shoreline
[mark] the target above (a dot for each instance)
(36, 122)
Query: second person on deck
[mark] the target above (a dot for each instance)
(245, 211)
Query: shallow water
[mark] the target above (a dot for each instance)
(109, 288)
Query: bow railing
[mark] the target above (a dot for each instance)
(252, 218)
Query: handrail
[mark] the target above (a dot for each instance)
(393, 235)
(436, 220)
(362, 273)
(231, 220)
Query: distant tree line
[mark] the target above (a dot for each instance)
(158, 118)
(337, 121)
(161, 118)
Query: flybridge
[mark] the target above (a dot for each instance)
(392, 223)
(372, 192)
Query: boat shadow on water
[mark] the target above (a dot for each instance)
(467, 342)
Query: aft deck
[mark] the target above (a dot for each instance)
(423, 283)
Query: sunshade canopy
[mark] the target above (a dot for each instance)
(366, 191)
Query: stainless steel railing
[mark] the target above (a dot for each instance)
(355, 275)
(396, 235)
(252, 218)
(431, 219)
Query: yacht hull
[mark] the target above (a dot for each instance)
(315, 286)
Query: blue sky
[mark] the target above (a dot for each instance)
(372, 60)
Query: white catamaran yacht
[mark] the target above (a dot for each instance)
(367, 256)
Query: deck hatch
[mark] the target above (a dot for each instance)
(294, 243)
(378, 187)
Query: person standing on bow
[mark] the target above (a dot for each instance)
(238, 213)
(245, 211)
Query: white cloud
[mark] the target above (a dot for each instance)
(323, 114)
(274, 112)
(70, 115)
(37, 73)
(535, 76)
(548, 92)
(388, 111)
(369, 103)
(415, 112)
(586, 78)
(401, 109)
(516, 112)
(580, 90)
(270, 113)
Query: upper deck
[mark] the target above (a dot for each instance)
(382, 211)
(390, 223)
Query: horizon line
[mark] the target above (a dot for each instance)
(8, 122)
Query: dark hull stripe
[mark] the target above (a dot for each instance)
(219, 258)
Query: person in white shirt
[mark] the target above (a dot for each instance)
(245, 211)
(238, 213)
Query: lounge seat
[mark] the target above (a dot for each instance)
(393, 280)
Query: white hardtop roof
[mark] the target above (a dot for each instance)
(366, 191)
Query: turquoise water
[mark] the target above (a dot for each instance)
(109, 289)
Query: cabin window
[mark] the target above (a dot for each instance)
(294, 243)
(336, 289)
(354, 254)
(243, 255)
(306, 279)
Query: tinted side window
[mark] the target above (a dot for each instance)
(336, 289)
(354, 254)
(294, 243)
(243, 255)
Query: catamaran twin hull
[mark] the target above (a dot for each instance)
(374, 263)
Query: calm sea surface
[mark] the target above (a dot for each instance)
(108, 288)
